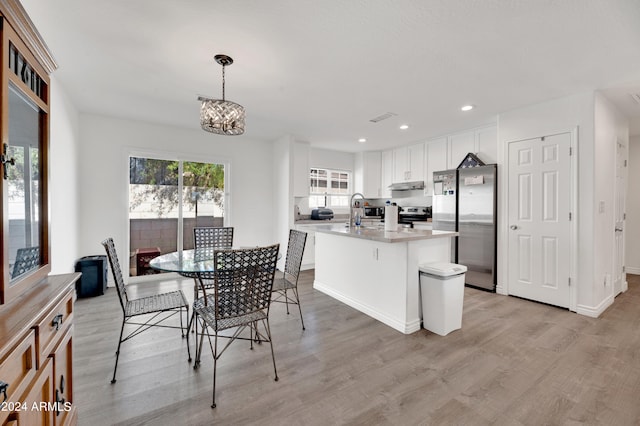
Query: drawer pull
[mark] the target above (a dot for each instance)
(3, 389)
(62, 383)
(57, 320)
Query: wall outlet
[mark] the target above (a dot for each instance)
(601, 207)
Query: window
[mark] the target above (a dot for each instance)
(167, 199)
(329, 188)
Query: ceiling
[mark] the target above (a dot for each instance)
(320, 70)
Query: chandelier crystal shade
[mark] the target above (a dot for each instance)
(220, 116)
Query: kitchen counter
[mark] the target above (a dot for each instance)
(376, 272)
(378, 233)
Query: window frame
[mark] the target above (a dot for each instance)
(329, 193)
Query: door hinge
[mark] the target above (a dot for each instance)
(624, 269)
(624, 216)
(570, 150)
(569, 215)
(569, 281)
(625, 163)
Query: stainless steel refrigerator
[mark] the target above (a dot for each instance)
(464, 200)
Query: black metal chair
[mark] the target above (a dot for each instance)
(239, 299)
(289, 279)
(216, 237)
(27, 259)
(159, 307)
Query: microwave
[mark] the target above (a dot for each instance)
(374, 211)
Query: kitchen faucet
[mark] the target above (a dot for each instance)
(351, 208)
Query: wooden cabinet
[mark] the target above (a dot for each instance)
(36, 364)
(408, 163)
(25, 65)
(300, 169)
(436, 159)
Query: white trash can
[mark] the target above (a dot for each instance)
(442, 287)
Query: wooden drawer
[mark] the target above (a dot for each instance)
(41, 391)
(63, 377)
(53, 326)
(18, 369)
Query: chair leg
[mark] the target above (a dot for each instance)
(186, 317)
(295, 292)
(113, 380)
(273, 357)
(215, 364)
(196, 364)
(286, 300)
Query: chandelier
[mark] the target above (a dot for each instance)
(222, 117)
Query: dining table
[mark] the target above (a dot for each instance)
(189, 263)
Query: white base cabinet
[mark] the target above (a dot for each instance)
(309, 255)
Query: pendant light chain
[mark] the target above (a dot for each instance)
(223, 98)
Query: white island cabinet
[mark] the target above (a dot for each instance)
(376, 272)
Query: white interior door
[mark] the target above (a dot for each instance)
(621, 189)
(539, 206)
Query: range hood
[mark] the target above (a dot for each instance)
(407, 186)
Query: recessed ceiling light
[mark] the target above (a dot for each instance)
(362, 140)
(404, 127)
(467, 108)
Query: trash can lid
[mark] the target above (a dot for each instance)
(442, 269)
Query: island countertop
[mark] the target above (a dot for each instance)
(376, 233)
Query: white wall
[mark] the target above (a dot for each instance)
(548, 118)
(324, 158)
(282, 203)
(610, 126)
(104, 177)
(63, 180)
(633, 208)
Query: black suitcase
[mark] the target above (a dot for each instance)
(93, 281)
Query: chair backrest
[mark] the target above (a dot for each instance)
(117, 272)
(216, 237)
(295, 250)
(27, 258)
(243, 280)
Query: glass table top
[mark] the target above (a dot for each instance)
(189, 262)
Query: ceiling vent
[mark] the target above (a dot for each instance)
(635, 97)
(382, 117)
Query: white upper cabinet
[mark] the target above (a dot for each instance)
(460, 145)
(408, 163)
(368, 174)
(300, 168)
(435, 160)
(387, 173)
(487, 144)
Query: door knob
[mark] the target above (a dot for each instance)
(618, 229)
(514, 227)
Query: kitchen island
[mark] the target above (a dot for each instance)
(376, 271)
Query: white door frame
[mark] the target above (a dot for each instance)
(624, 284)
(573, 235)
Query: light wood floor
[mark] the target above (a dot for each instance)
(514, 362)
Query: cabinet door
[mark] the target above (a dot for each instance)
(300, 166)
(459, 146)
(372, 174)
(40, 392)
(416, 162)
(487, 144)
(400, 164)
(309, 254)
(387, 173)
(63, 377)
(435, 160)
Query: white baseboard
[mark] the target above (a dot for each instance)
(632, 270)
(594, 311)
(406, 328)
